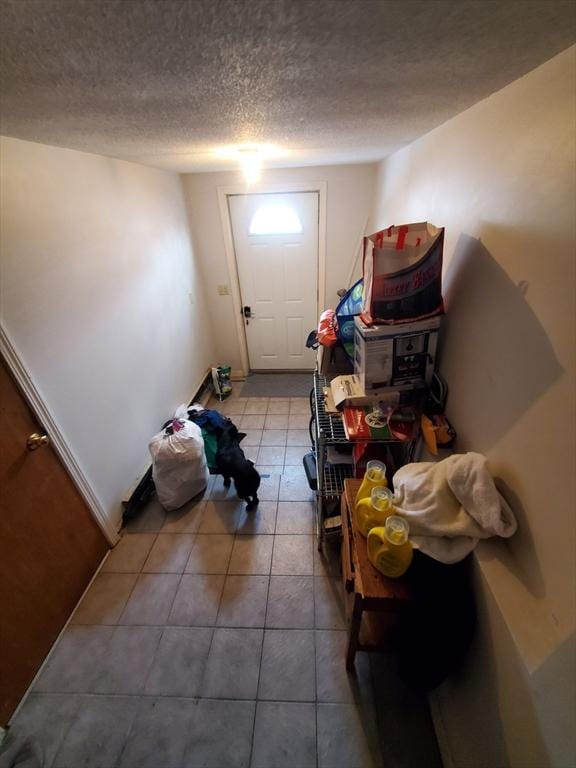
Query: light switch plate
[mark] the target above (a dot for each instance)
(223, 290)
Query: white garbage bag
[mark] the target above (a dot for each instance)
(182, 411)
(179, 466)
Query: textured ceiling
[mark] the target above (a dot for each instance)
(168, 82)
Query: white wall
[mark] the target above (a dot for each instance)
(350, 191)
(96, 272)
(500, 177)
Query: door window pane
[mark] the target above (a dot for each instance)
(275, 220)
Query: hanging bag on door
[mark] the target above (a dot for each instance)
(402, 273)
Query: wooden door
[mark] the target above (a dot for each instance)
(50, 547)
(276, 246)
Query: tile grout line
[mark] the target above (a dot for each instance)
(224, 582)
(143, 695)
(149, 671)
(154, 656)
(136, 533)
(64, 737)
(173, 599)
(261, 654)
(152, 696)
(204, 671)
(133, 587)
(217, 626)
(263, 638)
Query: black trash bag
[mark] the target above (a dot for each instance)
(437, 626)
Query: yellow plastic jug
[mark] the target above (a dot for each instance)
(389, 549)
(373, 511)
(374, 477)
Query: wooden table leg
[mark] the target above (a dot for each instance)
(354, 632)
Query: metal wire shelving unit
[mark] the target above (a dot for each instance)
(327, 429)
(334, 476)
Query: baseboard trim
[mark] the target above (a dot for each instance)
(439, 728)
(203, 391)
(40, 410)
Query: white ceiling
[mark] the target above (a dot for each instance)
(168, 82)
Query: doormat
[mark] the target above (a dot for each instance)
(277, 385)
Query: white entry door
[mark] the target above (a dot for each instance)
(276, 245)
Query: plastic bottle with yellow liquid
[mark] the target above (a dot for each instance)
(374, 477)
(389, 549)
(373, 511)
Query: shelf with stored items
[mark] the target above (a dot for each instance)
(326, 430)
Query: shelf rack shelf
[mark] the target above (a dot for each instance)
(334, 476)
(327, 429)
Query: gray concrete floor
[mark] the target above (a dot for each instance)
(215, 637)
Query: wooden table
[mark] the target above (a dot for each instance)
(367, 588)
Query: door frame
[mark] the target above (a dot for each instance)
(61, 448)
(320, 187)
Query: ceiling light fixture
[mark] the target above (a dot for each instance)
(250, 163)
(250, 157)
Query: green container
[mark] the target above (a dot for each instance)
(221, 380)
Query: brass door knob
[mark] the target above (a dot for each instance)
(36, 441)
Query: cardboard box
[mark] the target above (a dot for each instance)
(401, 356)
(348, 390)
(333, 361)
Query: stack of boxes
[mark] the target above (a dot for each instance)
(395, 350)
(394, 363)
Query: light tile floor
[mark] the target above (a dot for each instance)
(215, 637)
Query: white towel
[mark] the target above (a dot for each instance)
(450, 505)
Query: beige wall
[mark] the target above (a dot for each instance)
(500, 177)
(96, 271)
(349, 194)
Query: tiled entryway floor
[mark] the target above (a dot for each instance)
(215, 637)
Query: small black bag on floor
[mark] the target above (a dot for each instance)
(438, 624)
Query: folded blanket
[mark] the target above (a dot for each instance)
(450, 505)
